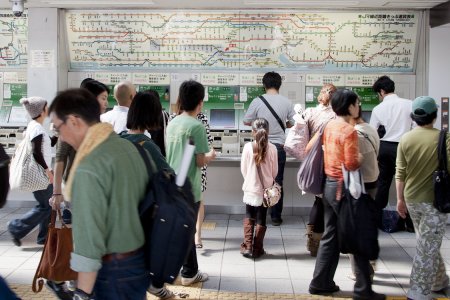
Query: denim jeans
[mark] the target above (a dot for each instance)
(38, 215)
(277, 209)
(125, 279)
(5, 292)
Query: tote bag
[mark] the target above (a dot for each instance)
(297, 139)
(311, 174)
(55, 259)
(25, 173)
(357, 222)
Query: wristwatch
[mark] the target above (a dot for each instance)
(82, 295)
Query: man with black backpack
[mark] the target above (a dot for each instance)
(279, 112)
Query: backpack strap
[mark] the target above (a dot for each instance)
(442, 150)
(273, 112)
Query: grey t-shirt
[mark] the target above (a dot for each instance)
(281, 105)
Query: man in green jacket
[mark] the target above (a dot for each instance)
(107, 181)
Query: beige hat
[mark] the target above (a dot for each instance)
(34, 105)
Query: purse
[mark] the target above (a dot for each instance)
(357, 222)
(55, 260)
(25, 173)
(271, 195)
(441, 178)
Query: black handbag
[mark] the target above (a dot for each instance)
(441, 178)
(357, 225)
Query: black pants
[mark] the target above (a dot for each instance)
(386, 163)
(190, 267)
(328, 255)
(257, 213)
(277, 209)
(316, 215)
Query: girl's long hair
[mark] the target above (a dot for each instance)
(260, 129)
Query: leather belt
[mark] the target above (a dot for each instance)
(119, 256)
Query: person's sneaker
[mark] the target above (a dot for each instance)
(373, 296)
(67, 216)
(60, 290)
(161, 293)
(199, 277)
(15, 240)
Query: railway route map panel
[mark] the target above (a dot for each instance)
(13, 40)
(366, 41)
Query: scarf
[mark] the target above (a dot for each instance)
(95, 135)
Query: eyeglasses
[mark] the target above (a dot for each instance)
(56, 128)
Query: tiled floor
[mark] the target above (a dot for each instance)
(284, 273)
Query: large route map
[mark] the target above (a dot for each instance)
(243, 40)
(13, 40)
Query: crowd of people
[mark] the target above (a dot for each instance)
(99, 179)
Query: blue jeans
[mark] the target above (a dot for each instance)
(275, 211)
(38, 215)
(124, 279)
(5, 292)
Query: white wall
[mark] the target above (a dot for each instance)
(439, 64)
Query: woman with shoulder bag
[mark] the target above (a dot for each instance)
(316, 118)
(417, 159)
(340, 143)
(263, 155)
(37, 109)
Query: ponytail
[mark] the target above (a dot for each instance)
(260, 129)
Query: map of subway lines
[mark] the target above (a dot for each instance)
(341, 41)
(13, 40)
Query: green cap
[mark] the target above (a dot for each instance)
(426, 103)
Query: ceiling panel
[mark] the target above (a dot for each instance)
(232, 4)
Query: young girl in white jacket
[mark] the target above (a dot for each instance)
(260, 153)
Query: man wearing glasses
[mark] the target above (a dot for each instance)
(107, 180)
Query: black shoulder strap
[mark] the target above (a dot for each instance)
(148, 164)
(273, 112)
(442, 150)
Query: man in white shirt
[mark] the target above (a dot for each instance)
(123, 93)
(393, 113)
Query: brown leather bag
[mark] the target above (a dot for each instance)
(55, 259)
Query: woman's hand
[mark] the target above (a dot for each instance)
(55, 201)
(401, 208)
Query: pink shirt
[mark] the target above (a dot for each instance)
(253, 190)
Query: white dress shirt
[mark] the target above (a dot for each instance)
(117, 117)
(394, 114)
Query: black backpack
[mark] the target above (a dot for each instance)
(168, 217)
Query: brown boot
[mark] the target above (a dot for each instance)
(247, 245)
(258, 248)
(312, 244)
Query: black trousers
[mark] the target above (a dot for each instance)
(386, 163)
(328, 255)
(316, 215)
(190, 267)
(277, 209)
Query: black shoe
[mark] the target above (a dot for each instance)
(16, 242)
(61, 290)
(277, 221)
(410, 229)
(373, 296)
(317, 291)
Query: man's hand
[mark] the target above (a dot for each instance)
(55, 201)
(401, 208)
